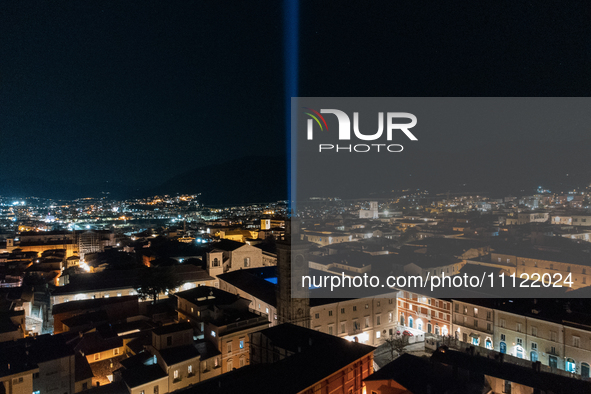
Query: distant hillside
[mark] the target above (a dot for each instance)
(244, 180)
(517, 167)
(500, 169)
(503, 168)
(38, 187)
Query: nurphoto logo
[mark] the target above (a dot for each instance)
(344, 130)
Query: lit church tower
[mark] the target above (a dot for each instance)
(292, 263)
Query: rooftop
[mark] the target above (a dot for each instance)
(178, 354)
(123, 279)
(172, 328)
(207, 295)
(545, 381)
(25, 354)
(141, 375)
(253, 281)
(227, 245)
(326, 355)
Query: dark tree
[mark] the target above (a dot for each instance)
(153, 281)
(396, 344)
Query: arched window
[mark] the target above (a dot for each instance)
(570, 366)
(444, 331)
(488, 344)
(503, 347)
(410, 322)
(585, 370)
(401, 320)
(533, 356)
(436, 330)
(429, 328)
(216, 262)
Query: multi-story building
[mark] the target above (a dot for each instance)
(577, 349)
(547, 266)
(224, 319)
(74, 243)
(532, 217)
(291, 359)
(174, 351)
(450, 371)
(427, 267)
(427, 314)
(571, 220)
(542, 331)
(581, 220)
(364, 320)
(473, 323)
(511, 334)
(325, 238)
(170, 362)
(230, 332)
(42, 364)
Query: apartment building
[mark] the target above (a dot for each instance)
(548, 266)
(577, 349)
(427, 314)
(365, 320)
(473, 323)
(545, 331)
(42, 364)
(532, 217)
(224, 320)
(571, 220)
(290, 359)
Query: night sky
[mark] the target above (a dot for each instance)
(138, 92)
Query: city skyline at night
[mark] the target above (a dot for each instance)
(194, 197)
